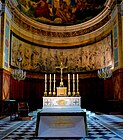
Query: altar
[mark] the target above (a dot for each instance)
(61, 102)
(61, 115)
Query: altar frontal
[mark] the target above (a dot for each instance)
(61, 125)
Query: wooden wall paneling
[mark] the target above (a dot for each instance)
(121, 85)
(33, 92)
(91, 91)
(16, 89)
(108, 89)
(5, 85)
(32, 89)
(118, 84)
(13, 89)
(40, 88)
(0, 86)
(27, 85)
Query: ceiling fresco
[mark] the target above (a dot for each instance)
(61, 12)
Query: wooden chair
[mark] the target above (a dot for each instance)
(23, 109)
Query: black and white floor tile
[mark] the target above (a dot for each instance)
(100, 127)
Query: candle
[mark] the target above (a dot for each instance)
(45, 77)
(45, 82)
(73, 83)
(50, 83)
(50, 77)
(77, 77)
(77, 83)
(54, 82)
(68, 76)
(54, 77)
(68, 83)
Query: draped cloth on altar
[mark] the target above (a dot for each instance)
(59, 123)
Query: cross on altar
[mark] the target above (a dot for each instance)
(47, 102)
(76, 102)
(61, 67)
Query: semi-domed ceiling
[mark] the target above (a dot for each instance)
(61, 12)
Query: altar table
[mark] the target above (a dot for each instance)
(63, 123)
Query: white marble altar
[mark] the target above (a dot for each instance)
(61, 102)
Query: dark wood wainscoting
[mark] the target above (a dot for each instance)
(95, 93)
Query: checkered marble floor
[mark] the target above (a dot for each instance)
(111, 122)
(100, 127)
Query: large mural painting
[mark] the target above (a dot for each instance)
(61, 12)
(81, 59)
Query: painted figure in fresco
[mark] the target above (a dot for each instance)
(108, 54)
(27, 58)
(25, 3)
(42, 9)
(35, 57)
(85, 59)
(80, 8)
(64, 12)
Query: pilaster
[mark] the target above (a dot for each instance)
(5, 24)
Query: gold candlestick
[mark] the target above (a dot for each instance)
(73, 93)
(50, 93)
(77, 93)
(54, 93)
(45, 93)
(69, 93)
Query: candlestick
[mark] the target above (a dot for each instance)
(54, 93)
(45, 93)
(45, 82)
(50, 86)
(73, 76)
(69, 93)
(54, 82)
(68, 76)
(77, 85)
(73, 84)
(77, 82)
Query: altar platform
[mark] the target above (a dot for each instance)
(61, 123)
